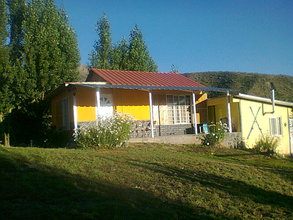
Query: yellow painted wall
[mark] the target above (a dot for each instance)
(290, 113)
(221, 111)
(133, 102)
(263, 118)
(56, 110)
(242, 119)
(86, 104)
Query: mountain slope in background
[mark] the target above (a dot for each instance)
(249, 83)
(83, 72)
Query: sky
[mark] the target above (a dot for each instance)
(195, 35)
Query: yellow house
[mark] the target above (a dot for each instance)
(255, 117)
(161, 103)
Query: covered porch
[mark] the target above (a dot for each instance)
(159, 111)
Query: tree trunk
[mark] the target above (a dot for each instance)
(6, 129)
(6, 139)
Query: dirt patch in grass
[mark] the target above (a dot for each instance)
(110, 151)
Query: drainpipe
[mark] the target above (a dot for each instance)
(273, 97)
(194, 114)
(229, 112)
(151, 113)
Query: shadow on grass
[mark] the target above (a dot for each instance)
(32, 191)
(282, 167)
(238, 189)
(244, 152)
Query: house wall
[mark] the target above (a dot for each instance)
(56, 109)
(251, 132)
(290, 112)
(86, 104)
(160, 107)
(242, 116)
(133, 102)
(221, 112)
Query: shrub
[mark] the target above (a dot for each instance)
(56, 138)
(240, 145)
(105, 132)
(216, 134)
(267, 145)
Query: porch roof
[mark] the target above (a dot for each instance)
(140, 87)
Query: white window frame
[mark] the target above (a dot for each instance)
(277, 130)
(183, 115)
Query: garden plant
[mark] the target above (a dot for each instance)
(216, 134)
(105, 132)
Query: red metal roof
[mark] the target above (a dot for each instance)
(121, 77)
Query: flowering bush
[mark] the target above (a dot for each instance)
(267, 145)
(105, 132)
(216, 134)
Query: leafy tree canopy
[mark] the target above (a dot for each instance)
(100, 56)
(174, 69)
(6, 95)
(132, 55)
(139, 58)
(45, 49)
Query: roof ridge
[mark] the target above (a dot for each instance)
(125, 77)
(135, 71)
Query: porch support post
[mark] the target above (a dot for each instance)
(194, 113)
(151, 113)
(98, 102)
(74, 112)
(229, 112)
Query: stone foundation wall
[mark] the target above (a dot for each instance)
(142, 129)
(165, 130)
(80, 124)
(232, 140)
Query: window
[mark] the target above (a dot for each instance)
(178, 109)
(276, 126)
(65, 114)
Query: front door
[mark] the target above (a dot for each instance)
(106, 105)
(291, 134)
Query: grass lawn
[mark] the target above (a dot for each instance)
(144, 182)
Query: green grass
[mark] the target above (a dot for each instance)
(144, 182)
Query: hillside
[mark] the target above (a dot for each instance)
(83, 72)
(250, 83)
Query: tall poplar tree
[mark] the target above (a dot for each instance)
(6, 95)
(5, 79)
(49, 54)
(17, 10)
(174, 69)
(123, 56)
(44, 54)
(119, 57)
(100, 57)
(139, 58)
